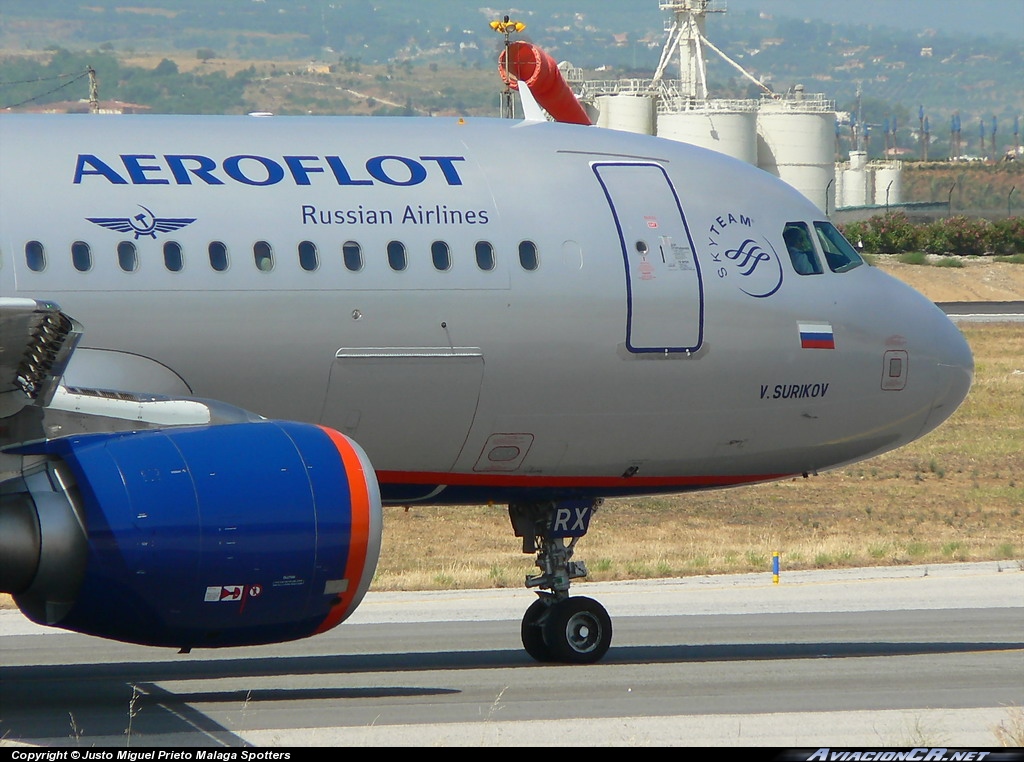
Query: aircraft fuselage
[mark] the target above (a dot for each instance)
(489, 308)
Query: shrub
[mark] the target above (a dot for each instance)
(1006, 236)
(890, 233)
(854, 232)
(894, 233)
(957, 235)
(913, 258)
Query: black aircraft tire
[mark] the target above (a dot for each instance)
(577, 631)
(533, 632)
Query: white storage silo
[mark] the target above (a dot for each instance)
(888, 183)
(629, 112)
(796, 143)
(729, 127)
(855, 180)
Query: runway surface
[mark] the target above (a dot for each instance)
(983, 312)
(895, 656)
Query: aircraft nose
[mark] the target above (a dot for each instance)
(954, 369)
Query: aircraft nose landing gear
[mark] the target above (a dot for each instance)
(557, 627)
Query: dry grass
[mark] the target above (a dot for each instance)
(1010, 732)
(955, 495)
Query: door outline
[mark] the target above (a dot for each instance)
(679, 338)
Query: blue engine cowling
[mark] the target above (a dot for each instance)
(212, 536)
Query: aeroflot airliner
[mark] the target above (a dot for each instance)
(227, 341)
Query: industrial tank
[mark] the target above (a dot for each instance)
(796, 143)
(888, 183)
(629, 112)
(855, 180)
(729, 127)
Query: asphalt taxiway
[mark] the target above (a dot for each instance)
(890, 656)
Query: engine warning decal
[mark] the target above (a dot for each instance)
(219, 593)
(231, 593)
(288, 580)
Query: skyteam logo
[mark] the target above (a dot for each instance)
(750, 261)
(144, 223)
(747, 258)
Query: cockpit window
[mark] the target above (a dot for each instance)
(801, 249)
(839, 254)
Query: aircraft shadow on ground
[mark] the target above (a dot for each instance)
(76, 702)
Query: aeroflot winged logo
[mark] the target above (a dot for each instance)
(144, 223)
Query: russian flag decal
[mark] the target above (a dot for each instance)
(816, 336)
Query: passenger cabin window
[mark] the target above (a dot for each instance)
(263, 256)
(440, 254)
(801, 248)
(839, 254)
(81, 256)
(35, 256)
(309, 260)
(218, 256)
(352, 254)
(484, 255)
(173, 259)
(528, 255)
(127, 256)
(396, 256)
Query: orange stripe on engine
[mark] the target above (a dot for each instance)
(360, 537)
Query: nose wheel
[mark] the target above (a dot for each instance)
(558, 627)
(575, 630)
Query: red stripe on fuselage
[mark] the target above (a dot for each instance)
(568, 482)
(359, 499)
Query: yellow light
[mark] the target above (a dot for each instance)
(507, 27)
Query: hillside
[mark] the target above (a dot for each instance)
(943, 70)
(976, 186)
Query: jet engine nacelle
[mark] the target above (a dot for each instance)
(208, 536)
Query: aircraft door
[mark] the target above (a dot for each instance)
(664, 293)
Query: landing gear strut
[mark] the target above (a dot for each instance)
(557, 627)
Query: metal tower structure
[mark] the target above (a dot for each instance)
(685, 37)
(687, 41)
